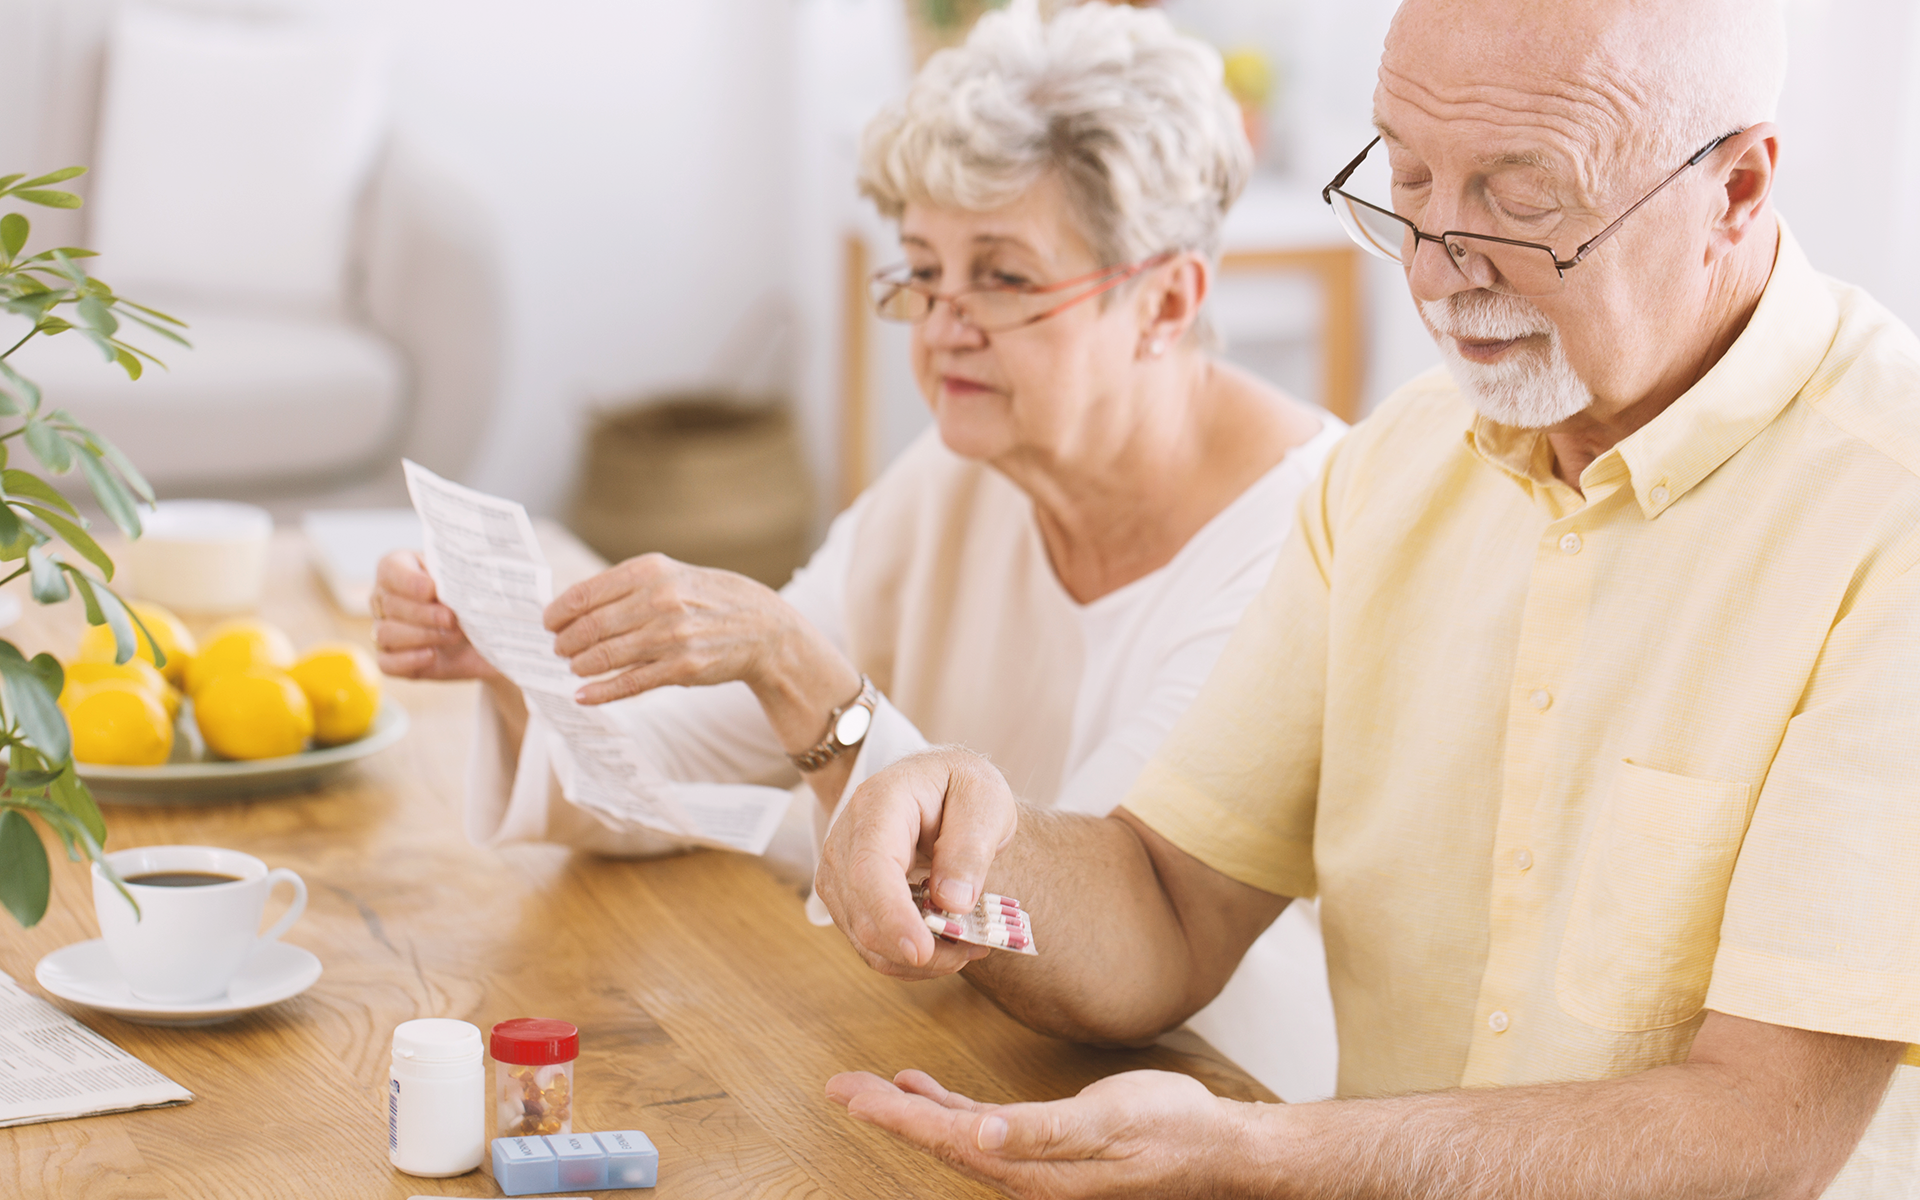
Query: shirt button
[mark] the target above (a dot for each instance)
(1523, 859)
(1570, 543)
(1659, 495)
(1498, 1022)
(1540, 699)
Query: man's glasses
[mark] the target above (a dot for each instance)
(996, 307)
(1519, 268)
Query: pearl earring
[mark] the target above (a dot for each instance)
(1156, 348)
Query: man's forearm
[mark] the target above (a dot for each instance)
(1693, 1129)
(1113, 962)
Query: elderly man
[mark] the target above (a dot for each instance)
(1587, 698)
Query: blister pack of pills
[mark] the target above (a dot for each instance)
(997, 921)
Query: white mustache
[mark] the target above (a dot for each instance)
(1484, 317)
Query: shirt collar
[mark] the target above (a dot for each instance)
(1767, 365)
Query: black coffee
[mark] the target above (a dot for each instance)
(181, 879)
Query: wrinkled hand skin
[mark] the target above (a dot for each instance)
(660, 622)
(946, 808)
(415, 636)
(1142, 1133)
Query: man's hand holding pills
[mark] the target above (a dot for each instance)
(947, 809)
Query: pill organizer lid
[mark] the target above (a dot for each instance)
(436, 1040)
(534, 1041)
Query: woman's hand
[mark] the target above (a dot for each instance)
(418, 637)
(660, 622)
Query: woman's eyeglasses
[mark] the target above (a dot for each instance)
(996, 307)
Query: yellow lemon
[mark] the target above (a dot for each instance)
(176, 642)
(254, 712)
(135, 670)
(343, 686)
(235, 646)
(117, 723)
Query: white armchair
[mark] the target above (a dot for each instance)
(278, 396)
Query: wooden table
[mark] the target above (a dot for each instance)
(711, 1014)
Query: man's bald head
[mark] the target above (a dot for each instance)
(1654, 78)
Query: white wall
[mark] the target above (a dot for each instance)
(635, 156)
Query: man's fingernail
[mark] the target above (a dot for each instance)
(956, 896)
(993, 1133)
(909, 951)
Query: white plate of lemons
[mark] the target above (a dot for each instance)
(236, 715)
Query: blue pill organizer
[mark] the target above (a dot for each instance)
(524, 1166)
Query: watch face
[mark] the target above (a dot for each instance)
(853, 725)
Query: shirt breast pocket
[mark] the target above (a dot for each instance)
(1645, 920)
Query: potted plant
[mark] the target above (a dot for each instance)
(47, 539)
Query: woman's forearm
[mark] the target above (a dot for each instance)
(804, 679)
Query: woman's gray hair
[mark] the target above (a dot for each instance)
(1132, 115)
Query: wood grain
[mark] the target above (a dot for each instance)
(711, 1013)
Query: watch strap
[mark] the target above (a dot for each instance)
(830, 747)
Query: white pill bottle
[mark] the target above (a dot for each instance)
(436, 1098)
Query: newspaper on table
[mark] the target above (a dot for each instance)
(488, 568)
(53, 1068)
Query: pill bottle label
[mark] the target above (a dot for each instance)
(393, 1116)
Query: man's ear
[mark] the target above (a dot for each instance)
(1745, 188)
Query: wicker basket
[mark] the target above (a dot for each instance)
(704, 477)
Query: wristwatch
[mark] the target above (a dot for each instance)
(846, 728)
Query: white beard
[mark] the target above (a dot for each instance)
(1519, 390)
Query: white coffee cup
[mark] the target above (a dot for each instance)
(188, 941)
(201, 556)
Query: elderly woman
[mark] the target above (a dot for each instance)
(1049, 574)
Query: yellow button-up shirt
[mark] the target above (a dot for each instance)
(1567, 768)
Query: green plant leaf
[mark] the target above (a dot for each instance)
(49, 583)
(22, 387)
(128, 363)
(7, 181)
(24, 878)
(23, 780)
(158, 328)
(48, 199)
(35, 711)
(122, 464)
(63, 263)
(122, 622)
(48, 446)
(72, 833)
(13, 234)
(50, 326)
(156, 314)
(87, 599)
(70, 792)
(69, 251)
(10, 528)
(112, 495)
(60, 176)
(76, 537)
(97, 316)
(29, 486)
(50, 671)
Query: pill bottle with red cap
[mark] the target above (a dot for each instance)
(533, 1076)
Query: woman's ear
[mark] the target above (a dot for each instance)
(1169, 301)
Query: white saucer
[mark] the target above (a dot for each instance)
(85, 974)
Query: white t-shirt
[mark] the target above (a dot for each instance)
(942, 561)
